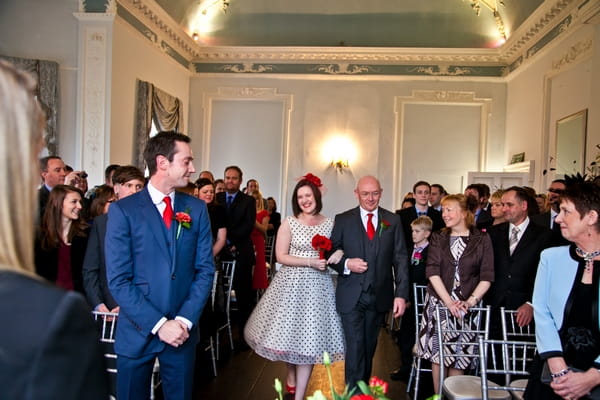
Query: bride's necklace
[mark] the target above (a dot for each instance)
(588, 257)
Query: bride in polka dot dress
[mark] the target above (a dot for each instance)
(295, 320)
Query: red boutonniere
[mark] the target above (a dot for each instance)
(184, 219)
(321, 244)
(383, 225)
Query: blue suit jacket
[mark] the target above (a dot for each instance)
(151, 273)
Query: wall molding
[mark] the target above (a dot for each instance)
(437, 97)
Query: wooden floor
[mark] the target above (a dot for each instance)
(243, 375)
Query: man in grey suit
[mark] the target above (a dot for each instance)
(374, 249)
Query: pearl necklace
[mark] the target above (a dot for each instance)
(588, 257)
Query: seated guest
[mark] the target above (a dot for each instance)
(127, 180)
(496, 207)
(421, 230)
(216, 212)
(206, 175)
(556, 189)
(541, 201)
(62, 239)
(49, 344)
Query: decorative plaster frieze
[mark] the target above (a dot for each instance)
(344, 69)
(248, 68)
(246, 92)
(159, 21)
(576, 52)
(444, 70)
(446, 96)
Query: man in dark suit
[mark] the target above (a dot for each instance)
(421, 191)
(517, 246)
(483, 218)
(241, 216)
(547, 219)
(53, 172)
(126, 181)
(374, 249)
(160, 270)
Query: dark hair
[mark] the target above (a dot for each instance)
(441, 188)
(127, 173)
(51, 228)
(108, 170)
(421, 183)
(274, 202)
(585, 196)
(102, 195)
(238, 169)
(201, 182)
(44, 162)
(564, 182)
(477, 187)
(163, 144)
(410, 200)
(217, 181)
(485, 189)
(523, 194)
(316, 193)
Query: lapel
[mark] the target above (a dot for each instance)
(360, 228)
(155, 224)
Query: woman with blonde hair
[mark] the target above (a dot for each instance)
(258, 235)
(47, 341)
(496, 207)
(460, 269)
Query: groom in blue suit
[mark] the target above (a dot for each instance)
(160, 271)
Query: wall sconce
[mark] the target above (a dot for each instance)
(195, 36)
(339, 164)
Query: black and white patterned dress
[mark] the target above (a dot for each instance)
(296, 320)
(428, 346)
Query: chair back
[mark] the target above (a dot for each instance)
(228, 271)
(460, 335)
(511, 329)
(419, 293)
(107, 322)
(504, 357)
(269, 250)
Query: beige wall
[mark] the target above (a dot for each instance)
(134, 57)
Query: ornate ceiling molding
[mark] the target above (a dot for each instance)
(551, 19)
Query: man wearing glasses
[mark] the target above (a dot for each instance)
(557, 187)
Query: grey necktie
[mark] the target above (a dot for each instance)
(514, 239)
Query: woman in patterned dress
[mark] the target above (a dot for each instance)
(295, 320)
(460, 269)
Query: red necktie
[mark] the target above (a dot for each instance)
(168, 213)
(370, 227)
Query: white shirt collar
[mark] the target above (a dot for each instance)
(158, 197)
(522, 226)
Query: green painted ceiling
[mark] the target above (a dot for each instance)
(366, 23)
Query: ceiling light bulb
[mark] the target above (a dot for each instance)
(195, 36)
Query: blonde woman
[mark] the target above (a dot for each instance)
(47, 341)
(259, 278)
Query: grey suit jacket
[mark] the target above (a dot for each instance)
(390, 259)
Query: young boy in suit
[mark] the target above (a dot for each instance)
(405, 336)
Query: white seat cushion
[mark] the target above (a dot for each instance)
(517, 394)
(467, 387)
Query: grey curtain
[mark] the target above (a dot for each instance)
(153, 104)
(46, 75)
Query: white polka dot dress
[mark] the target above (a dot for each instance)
(295, 320)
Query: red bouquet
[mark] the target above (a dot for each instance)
(321, 244)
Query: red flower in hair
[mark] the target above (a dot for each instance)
(315, 180)
(321, 244)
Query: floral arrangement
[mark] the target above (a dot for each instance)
(315, 180)
(383, 225)
(321, 244)
(184, 220)
(376, 390)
